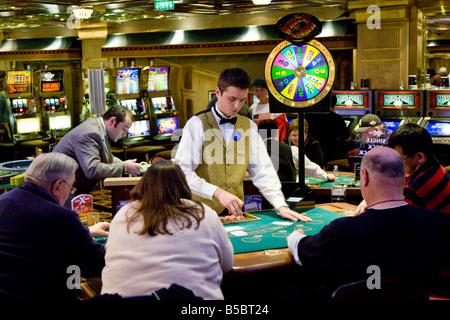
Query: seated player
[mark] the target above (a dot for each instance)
(164, 237)
(260, 110)
(311, 169)
(280, 153)
(40, 239)
(427, 182)
(370, 134)
(311, 147)
(400, 240)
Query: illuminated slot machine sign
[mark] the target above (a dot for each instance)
(399, 103)
(438, 103)
(19, 82)
(353, 102)
(139, 128)
(158, 79)
(167, 125)
(128, 81)
(52, 81)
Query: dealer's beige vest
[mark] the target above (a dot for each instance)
(224, 166)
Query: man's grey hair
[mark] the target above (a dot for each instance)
(50, 167)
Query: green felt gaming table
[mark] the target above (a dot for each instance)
(264, 244)
(344, 180)
(269, 231)
(322, 188)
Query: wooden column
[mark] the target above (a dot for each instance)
(390, 43)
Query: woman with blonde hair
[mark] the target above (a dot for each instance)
(163, 237)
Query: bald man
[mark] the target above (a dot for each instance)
(397, 239)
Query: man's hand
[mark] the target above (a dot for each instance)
(100, 229)
(229, 201)
(287, 213)
(133, 168)
(361, 208)
(331, 177)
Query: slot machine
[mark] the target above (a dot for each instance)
(352, 105)
(437, 123)
(128, 91)
(130, 95)
(54, 108)
(164, 115)
(399, 107)
(27, 123)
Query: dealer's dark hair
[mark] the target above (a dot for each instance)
(412, 138)
(234, 77)
(159, 197)
(119, 112)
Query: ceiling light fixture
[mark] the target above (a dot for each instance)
(82, 12)
(261, 2)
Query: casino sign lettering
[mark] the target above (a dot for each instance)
(394, 100)
(350, 100)
(443, 100)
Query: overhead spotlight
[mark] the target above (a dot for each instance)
(82, 12)
(261, 2)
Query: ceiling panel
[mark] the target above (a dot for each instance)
(34, 13)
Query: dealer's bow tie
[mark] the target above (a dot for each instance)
(230, 120)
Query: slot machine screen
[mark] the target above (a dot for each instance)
(351, 100)
(52, 81)
(139, 128)
(391, 125)
(436, 128)
(131, 104)
(158, 79)
(440, 100)
(162, 104)
(167, 125)
(28, 125)
(60, 122)
(128, 81)
(399, 100)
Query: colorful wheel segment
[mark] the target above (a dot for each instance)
(300, 76)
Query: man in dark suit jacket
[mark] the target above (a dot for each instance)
(44, 248)
(279, 152)
(89, 145)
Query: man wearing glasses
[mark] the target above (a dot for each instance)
(88, 144)
(40, 239)
(427, 182)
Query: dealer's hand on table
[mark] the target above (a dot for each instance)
(133, 168)
(100, 229)
(361, 208)
(229, 201)
(331, 177)
(287, 213)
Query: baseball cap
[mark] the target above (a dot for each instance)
(369, 120)
(259, 83)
